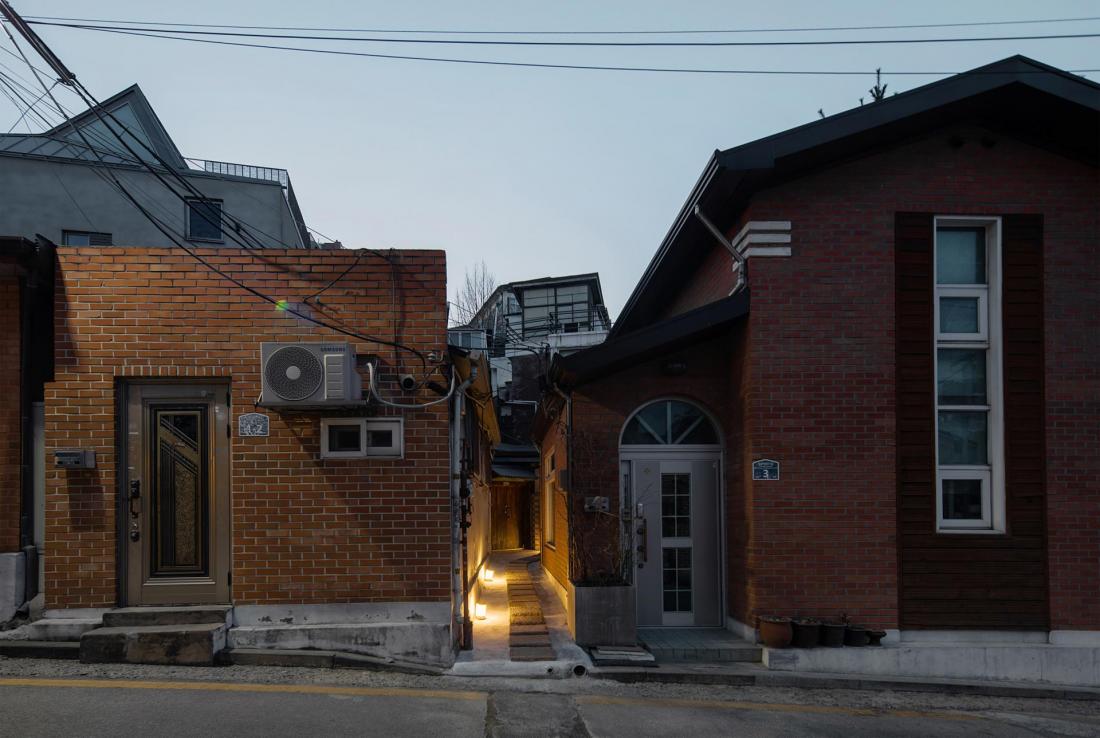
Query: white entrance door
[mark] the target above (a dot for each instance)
(677, 551)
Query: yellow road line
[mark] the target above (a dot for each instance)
(236, 687)
(592, 699)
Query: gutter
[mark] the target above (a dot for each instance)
(742, 262)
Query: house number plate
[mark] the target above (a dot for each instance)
(253, 424)
(765, 470)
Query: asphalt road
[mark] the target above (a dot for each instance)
(113, 707)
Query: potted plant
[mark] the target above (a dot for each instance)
(874, 637)
(602, 610)
(806, 632)
(832, 634)
(775, 631)
(855, 635)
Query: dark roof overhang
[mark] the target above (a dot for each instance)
(1016, 97)
(650, 342)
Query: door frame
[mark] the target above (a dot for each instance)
(217, 391)
(631, 454)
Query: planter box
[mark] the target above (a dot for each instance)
(604, 616)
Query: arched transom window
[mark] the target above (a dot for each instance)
(669, 423)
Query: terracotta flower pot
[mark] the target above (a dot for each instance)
(776, 632)
(832, 634)
(807, 633)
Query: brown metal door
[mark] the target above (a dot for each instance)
(504, 525)
(176, 494)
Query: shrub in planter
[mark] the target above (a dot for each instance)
(775, 632)
(806, 632)
(832, 634)
(855, 635)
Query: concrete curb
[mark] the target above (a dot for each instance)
(40, 649)
(679, 674)
(321, 660)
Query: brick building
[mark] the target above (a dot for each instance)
(859, 377)
(191, 482)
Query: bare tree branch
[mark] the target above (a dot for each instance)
(476, 288)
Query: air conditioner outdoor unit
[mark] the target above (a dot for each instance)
(309, 374)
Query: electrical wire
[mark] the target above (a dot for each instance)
(615, 32)
(598, 44)
(405, 405)
(81, 91)
(536, 65)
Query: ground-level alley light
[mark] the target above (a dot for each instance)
(487, 575)
(479, 611)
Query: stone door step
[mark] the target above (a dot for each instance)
(125, 617)
(734, 653)
(52, 629)
(193, 644)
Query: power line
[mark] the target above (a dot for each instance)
(81, 91)
(616, 32)
(599, 44)
(535, 65)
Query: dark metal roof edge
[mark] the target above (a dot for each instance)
(605, 358)
(709, 172)
(1016, 69)
(762, 153)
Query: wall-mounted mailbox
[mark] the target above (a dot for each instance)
(74, 458)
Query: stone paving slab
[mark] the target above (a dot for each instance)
(531, 654)
(518, 629)
(528, 640)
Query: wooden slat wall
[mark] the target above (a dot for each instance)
(958, 580)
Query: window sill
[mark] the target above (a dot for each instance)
(969, 532)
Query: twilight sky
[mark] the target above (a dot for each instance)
(536, 171)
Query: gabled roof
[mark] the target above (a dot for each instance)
(130, 108)
(1017, 96)
(649, 342)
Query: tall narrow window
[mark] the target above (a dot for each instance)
(969, 402)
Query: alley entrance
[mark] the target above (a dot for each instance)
(175, 494)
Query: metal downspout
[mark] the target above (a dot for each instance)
(459, 579)
(742, 262)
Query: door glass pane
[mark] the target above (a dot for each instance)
(963, 438)
(179, 493)
(960, 256)
(962, 499)
(676, 579)
(676, 505)
(961, 376)
(959, 315)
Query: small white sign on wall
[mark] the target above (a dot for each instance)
(253, 425)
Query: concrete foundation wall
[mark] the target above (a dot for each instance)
(12, 573)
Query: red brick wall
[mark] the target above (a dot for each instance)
(303, 530)
(601, 408)
(821, 386)
(555, 554)
(11, 429)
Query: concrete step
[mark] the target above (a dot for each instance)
(410, 641)
(126, 617)
(52, 629)
(40, 649)
(194, 644)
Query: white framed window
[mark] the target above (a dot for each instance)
(358, 438)
(970, 493)
(548, 496)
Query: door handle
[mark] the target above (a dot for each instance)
(135, 498)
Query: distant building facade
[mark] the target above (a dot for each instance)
(58, 184)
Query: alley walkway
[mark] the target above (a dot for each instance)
(524, 631)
